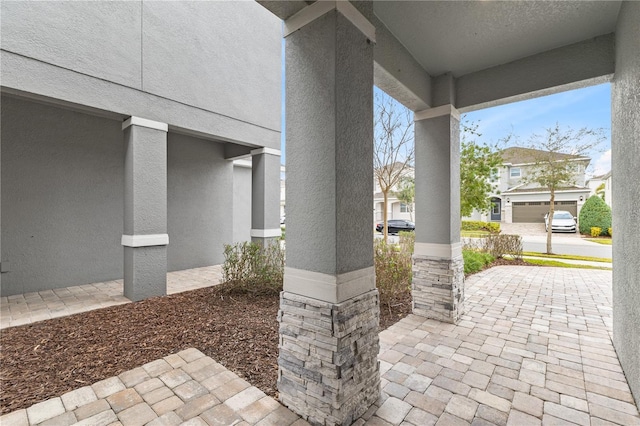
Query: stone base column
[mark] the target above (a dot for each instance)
(437, 288)
(329, 371)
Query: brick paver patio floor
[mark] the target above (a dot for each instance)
(31, 307)
(534, 347)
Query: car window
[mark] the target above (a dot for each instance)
(562, 215)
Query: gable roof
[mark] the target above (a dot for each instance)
(518, 155)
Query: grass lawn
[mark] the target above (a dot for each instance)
(567, 256)
(605, 241)
(542, 262)
(474, 234)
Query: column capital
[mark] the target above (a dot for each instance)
(436, 112)
(269, 151)
(143, 122)
(321, 8)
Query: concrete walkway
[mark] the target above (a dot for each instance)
(534, 348)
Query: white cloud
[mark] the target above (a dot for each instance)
(602, 164)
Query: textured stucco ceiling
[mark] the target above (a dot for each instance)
(466, 36)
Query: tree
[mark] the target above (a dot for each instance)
(478, 166)
(393, 147)
(558, 156)
(407, 193)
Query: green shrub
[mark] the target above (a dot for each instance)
(610, 232)
(595, 231)
(251, 268)
(499, 245)
(594, 213)
(475, 261)
(407, 241)
(476, 225)
(393, 267)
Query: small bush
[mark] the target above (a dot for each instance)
(610, 232)
(499, 245)
(595, 231)
(393, 267)
(251, 268)
(476, 225)
(407, 241)
(475, 261)
(594, 213)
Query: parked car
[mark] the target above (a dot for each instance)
(396, 225)
(563, 221)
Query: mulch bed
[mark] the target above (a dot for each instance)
(49, 358)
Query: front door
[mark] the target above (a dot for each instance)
(496, 206)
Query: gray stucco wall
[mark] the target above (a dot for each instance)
(625, 145)
(200, 202)
(62, 197)
(211, 67)
(329, 67)
(241, 204)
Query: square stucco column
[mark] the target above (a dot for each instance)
(145, 236)
(438, 267)
(625, 147)
(329, 309)
(265, 195)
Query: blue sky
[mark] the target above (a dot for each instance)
(588, 107)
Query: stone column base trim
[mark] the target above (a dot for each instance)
(332, 288)
(437, 287)
(328, 362)
(442, 251)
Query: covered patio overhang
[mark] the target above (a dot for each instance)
(439, 59)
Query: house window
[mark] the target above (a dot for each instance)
(515, 172)
(496, 208)
(404, 208)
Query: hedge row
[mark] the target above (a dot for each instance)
(476, 225)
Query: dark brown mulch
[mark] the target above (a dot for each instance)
(46, 359)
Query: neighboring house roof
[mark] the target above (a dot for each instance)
(517, 155)
(601, 177)
(519, 189)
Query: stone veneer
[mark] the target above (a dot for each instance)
(437, 288)
(328, 362)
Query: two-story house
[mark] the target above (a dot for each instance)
(519, 200)
(601, 185)
(396, 209)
